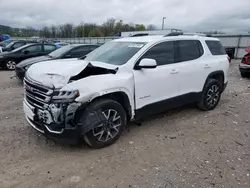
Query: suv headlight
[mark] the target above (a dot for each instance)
(65, 96)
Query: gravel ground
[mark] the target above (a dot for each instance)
(184, 147)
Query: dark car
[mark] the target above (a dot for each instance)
(69, 51)
(6, 42)
(9, 60)
(16, 44)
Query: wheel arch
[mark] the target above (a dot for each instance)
(217, 75)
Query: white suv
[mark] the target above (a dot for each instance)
(124, 80)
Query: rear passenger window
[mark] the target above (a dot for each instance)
(215, 47)
(163, 53)
(49, 48)
(188, 50)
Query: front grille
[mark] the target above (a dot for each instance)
(37, 95)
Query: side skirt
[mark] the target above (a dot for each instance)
(162, 106)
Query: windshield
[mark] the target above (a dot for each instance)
(116, 53)
(5, 43)
(9, 45)
(60, 51)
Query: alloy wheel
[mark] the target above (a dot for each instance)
(213, 95)
(11, 65)
(109, 128)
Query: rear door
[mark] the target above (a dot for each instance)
(31, 51)
(190, 66)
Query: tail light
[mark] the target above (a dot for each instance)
(229, 59)
(245, 60)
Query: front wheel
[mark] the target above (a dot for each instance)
(211, 95)
(111, 128)
(10, 65)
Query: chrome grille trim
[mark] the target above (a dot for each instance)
(37, 95)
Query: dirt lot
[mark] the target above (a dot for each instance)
(184, 147)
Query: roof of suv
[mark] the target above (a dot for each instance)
(161, 37)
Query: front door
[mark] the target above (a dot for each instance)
(155, 88)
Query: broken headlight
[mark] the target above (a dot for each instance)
(65, 96)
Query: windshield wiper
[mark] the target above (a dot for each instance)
(83, 57)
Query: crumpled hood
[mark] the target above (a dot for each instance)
(33, 60)
(57, 73)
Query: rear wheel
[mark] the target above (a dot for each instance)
(211, 95)
(10, 65)
(111, 128)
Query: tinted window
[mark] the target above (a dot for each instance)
(19, 44)
(216, 48)
(35, 48)
(80, 50)
(49, 48)
(163, 53)
(188, 50)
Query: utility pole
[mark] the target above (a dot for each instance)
(163, 22)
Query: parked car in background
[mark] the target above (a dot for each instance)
(9, 60)
(245, 64)
(61, 44)
(6, 42)
(16, 44)
(70, 51)
(4, 37)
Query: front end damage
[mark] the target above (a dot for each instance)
(53, 118)
(55, 112)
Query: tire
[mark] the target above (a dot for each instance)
(211, 95)
(110, 130)
(10, 65)
(243, 74)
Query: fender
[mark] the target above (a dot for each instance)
(114, 90)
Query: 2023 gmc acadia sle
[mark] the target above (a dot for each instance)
(123, 80)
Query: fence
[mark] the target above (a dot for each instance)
(237, 43)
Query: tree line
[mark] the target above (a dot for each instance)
(110, 27)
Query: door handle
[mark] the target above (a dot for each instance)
(173, 71)
(206, 66)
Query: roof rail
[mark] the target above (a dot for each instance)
(188, 34)
(174, 34)
(139, 35)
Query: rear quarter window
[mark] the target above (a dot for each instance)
(188, 50)
(215, 47)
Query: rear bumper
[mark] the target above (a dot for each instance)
(244, 69)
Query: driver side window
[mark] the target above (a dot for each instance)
(163, 53)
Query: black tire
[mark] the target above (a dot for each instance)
(97, 139)
(10, 64)
(244, 74)
(211, 95)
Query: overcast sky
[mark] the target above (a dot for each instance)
(191, 15)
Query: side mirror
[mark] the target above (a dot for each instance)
(147, 64)
(26, 52)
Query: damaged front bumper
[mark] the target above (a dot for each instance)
(55, 122)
